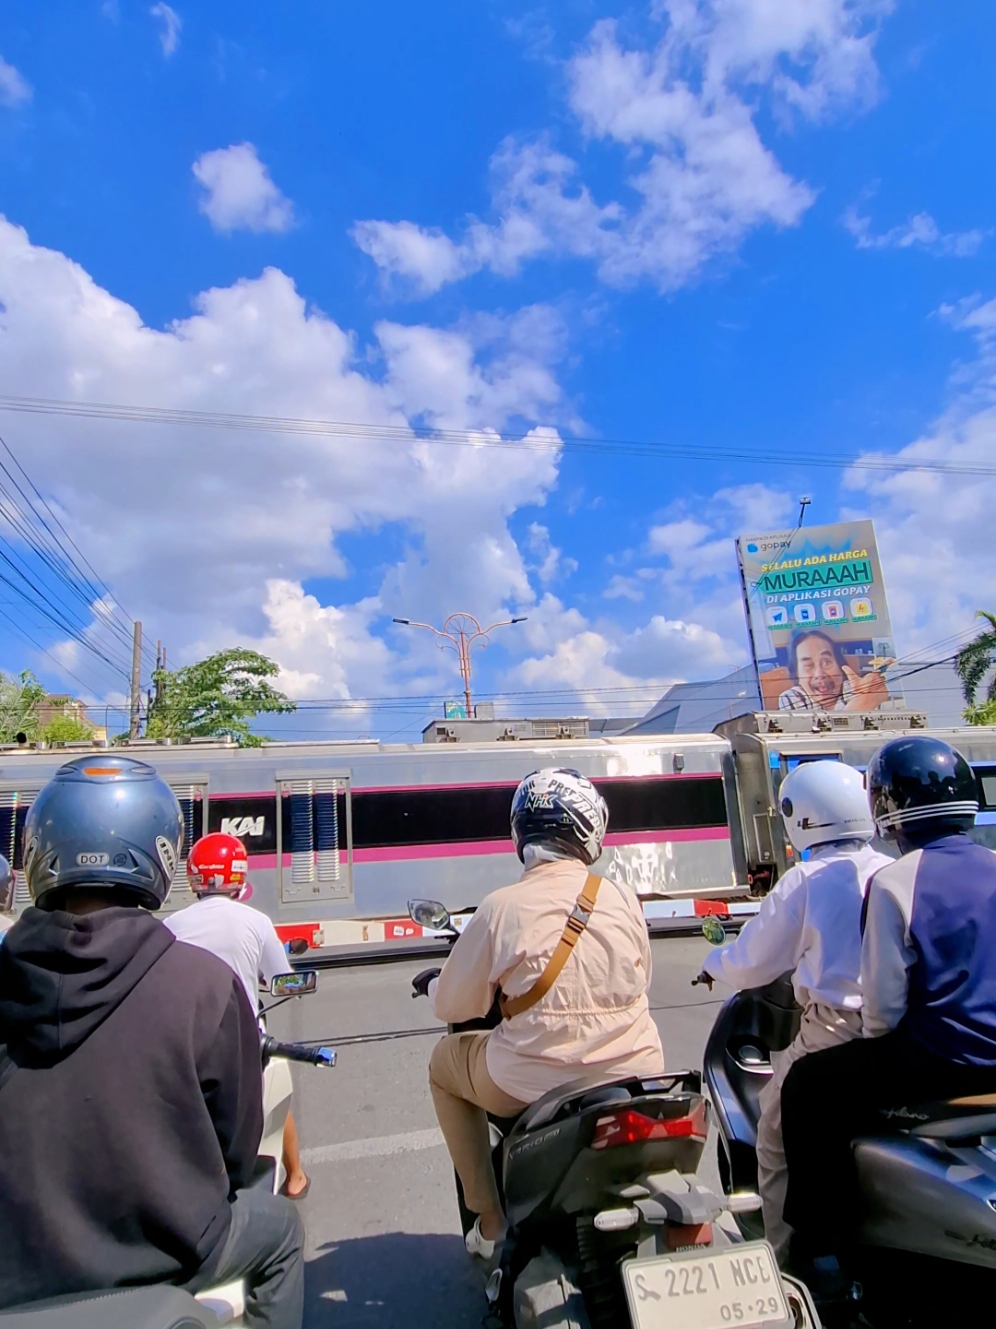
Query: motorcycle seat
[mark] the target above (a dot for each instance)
(575, 1097)
(947, 1119)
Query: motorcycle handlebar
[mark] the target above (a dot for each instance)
(322, 1056)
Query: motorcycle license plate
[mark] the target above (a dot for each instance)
(708, 1289)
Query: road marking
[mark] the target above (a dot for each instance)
(378, 1146)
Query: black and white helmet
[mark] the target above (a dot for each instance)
(561, 808)
(921, 782)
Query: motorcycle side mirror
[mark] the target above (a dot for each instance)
(298, 984)
(713, 931)
(429, 914)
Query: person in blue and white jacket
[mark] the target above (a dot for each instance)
(810, 924)
(928, 976)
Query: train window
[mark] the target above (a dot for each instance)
(803, 758)
(986, 778)
(315, 834)
(463, 814)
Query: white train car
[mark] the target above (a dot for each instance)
(351, 831)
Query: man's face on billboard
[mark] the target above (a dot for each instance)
(819, 673)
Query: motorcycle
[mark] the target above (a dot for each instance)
(163, 1306)
(608, 1225)
(925, 1236)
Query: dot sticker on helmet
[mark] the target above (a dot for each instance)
(92, 859)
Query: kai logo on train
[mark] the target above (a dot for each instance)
(243, 826)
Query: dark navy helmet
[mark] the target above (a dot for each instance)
(103, 821)
(6, 886)
(920, 782)
(561, 808)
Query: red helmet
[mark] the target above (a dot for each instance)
(217, 865)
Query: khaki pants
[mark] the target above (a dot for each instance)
(463, 1093)
(821, 1027)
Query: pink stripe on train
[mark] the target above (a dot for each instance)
(396, 853)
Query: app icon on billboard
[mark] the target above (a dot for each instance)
(776, 616)
(833, 611)
(862, 609)
(805, 613)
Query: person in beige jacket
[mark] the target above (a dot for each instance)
(592, 1024)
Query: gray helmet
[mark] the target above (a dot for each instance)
(103, 822)
(6, 886)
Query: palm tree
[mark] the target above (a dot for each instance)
(972, 663)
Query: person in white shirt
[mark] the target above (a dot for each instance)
(810, 923)
(217, 867)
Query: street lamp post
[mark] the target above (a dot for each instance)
(461, 631)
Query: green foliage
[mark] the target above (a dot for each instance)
(984, 713)
(19, 699)
(972, 664)
(66, 729)
(216, 697)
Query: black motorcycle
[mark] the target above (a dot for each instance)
(925, 1235)
(607, 1224)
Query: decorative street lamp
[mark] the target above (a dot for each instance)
(461, 631)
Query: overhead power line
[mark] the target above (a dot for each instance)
(538, 439)
(53, 582)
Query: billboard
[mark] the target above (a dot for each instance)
(817, 618)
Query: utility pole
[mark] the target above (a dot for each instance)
(461, 631)
(136, 681)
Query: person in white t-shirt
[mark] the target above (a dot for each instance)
(220, 922)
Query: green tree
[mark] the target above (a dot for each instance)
(216, 697)
(66, 729)
(973, 664)
(19, 699)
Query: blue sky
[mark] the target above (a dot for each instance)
(760, 227)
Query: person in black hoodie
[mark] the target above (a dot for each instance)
(130, 1085)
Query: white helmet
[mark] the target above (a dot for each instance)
(823, 801)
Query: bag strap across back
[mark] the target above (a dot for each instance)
(576, 924)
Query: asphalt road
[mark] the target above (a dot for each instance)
(384, 1244)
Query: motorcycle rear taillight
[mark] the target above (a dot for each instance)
(632, 1127)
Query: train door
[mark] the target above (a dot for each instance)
(314, 838)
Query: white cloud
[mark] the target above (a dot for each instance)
(428, 258)
(170, 24)
(592, 659)
(817, 56)
(550, 562)
(208, 534)
(921, 232)
(935, 528)
(238, 191)
(15, 90)
(543, 210)
(684, 112)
